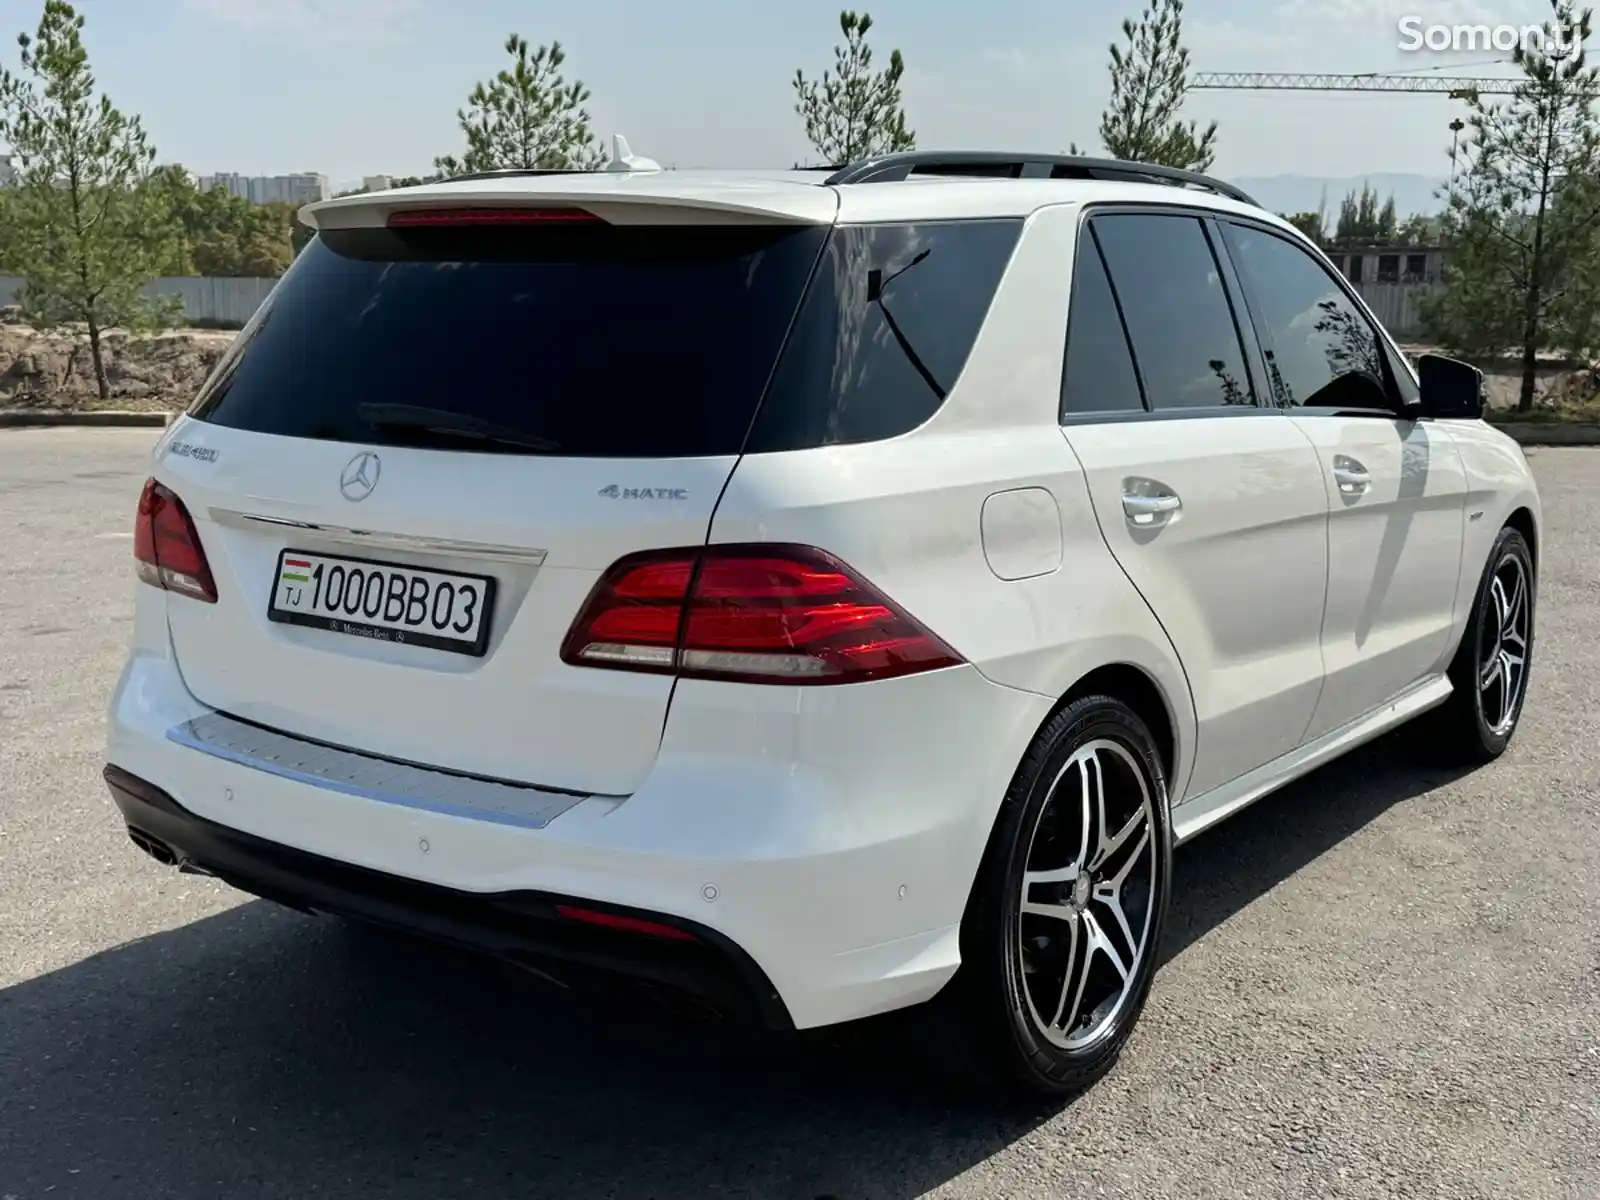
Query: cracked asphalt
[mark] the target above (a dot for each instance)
(1384, 981)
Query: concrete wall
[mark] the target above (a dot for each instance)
(205, 299)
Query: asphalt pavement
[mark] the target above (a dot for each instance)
(1382, 982)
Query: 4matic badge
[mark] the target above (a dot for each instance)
(614, 491)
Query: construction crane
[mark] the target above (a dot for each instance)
(1457, 87)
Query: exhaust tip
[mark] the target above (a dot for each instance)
(154, 847)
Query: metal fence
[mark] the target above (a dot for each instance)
(230, 302)
(206, 300)
(1398, 305)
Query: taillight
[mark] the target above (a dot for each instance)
(762, 614)
(166, 550)
(433, 218)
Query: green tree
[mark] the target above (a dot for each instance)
(286, 217)
(1419, 230)
(1149, 80)
(213, 233)
(528, 117)
(1363, 218)
(8, 234)
(84, 235)
(1312, 224)
(854, 113)
(1521, 216)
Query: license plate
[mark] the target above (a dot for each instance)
(384, 601)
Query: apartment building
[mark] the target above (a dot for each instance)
(270, 189)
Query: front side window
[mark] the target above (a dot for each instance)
(1321, 351)
(1177, 310)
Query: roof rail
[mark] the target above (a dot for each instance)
(982, 164)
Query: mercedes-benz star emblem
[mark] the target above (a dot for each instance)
(360, 476)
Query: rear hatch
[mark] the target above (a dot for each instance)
(481, 408)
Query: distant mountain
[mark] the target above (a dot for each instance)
(1304, 193)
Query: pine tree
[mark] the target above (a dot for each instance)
(1363, 219)
(84, 231)
(528, 117)
(1521, 219)
(854, 113)
(1149, 80)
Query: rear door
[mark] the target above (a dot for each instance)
(1212, 503)
(1396, 486)
(482, 415)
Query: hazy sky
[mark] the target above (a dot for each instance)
(353, 87)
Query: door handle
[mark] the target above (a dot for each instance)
(1147, 510)
(1351, 477)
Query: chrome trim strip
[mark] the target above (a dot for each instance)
(415, 543)
(378, 779)
(1194, 816)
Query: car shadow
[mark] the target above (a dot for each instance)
(1237, 862)
(261, 1052)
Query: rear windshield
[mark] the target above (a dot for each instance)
(607, 342)
(615, 341)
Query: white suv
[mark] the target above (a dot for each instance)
(823, 594)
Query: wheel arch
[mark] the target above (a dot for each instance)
(1523, 515)
(1138, 689)
(1523, 521)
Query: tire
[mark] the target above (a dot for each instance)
(1007, 1015)
(1489, 684)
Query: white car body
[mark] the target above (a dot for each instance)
(830, 833)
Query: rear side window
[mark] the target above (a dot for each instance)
(885, 331)
(1320, 349)
(614, 341)
(1177, 310)
(1099, 375)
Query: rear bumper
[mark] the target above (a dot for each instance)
(523, 927)
(830, 837)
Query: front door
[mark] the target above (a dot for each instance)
(1396, 487)
(1212, 504)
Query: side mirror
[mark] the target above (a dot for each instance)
(1450, 389)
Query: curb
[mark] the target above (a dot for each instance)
(1534, 434)
(19, 418)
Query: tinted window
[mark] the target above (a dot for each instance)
(1099, 374)
(1177, 311)
(1320, 349)
(885, 331)
(613, 341)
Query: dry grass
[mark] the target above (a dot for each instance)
(147, 373)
